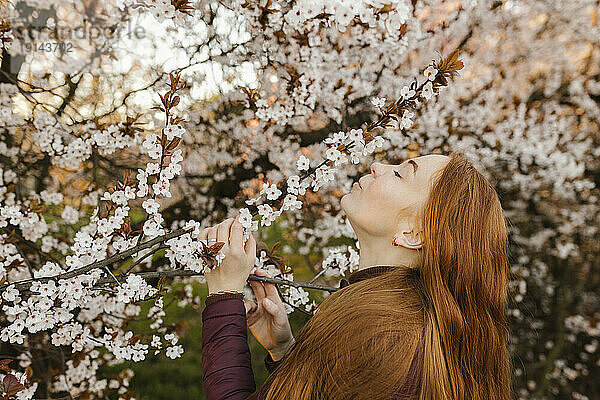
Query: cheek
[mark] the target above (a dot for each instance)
(383, 195)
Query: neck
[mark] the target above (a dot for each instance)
(378, 252)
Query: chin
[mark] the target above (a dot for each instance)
(342, 202)
(346, 210)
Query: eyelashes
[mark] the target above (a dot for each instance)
(397, 174)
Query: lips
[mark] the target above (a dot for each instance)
(359, 182)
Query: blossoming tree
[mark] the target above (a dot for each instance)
(113, 153)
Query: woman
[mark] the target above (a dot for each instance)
(424, 316)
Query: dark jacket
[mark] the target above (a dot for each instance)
(226, 363)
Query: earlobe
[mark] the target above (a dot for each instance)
(396, 240)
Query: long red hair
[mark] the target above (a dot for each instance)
(360, 343)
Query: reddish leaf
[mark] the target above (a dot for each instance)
(4, 364)
(11, 385)
(174, 143)
(160, 283)
(28, 372)
(209, 253)
(180, 327)
(134, 339)
(127, 228)
(272, 258)
(176, 120)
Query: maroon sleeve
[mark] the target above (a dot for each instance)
(211, 298)
(226, 362)
(411, 387)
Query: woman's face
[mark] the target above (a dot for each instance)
(385, 203)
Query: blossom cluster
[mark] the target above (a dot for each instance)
(67, 151)
(342, 12)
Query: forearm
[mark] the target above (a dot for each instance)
(226, 361)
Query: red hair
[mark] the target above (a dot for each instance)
(361, 342)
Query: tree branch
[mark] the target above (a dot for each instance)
(103, 263)
(25, 284)
(184, 272)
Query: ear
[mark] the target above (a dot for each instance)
(410, 239)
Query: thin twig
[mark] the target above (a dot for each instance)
(111, 274)
(318, 275)
(142, 258)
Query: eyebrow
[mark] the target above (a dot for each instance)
(415, 166)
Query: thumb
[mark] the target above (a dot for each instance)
(250, 306)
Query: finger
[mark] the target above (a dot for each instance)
(270, 307)
(236, 236)
(223, 231)
(250, 306)
(211, 235)
(261, 272)
(253, 312)
(257, 288)
(250, 247)
(203, 234)
(270, 288)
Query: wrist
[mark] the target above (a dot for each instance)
(224, 289)
(279, 352)
(216, 297)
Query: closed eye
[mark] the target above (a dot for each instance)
(397, 174)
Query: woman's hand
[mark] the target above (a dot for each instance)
(267, 318)
(239, 260)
